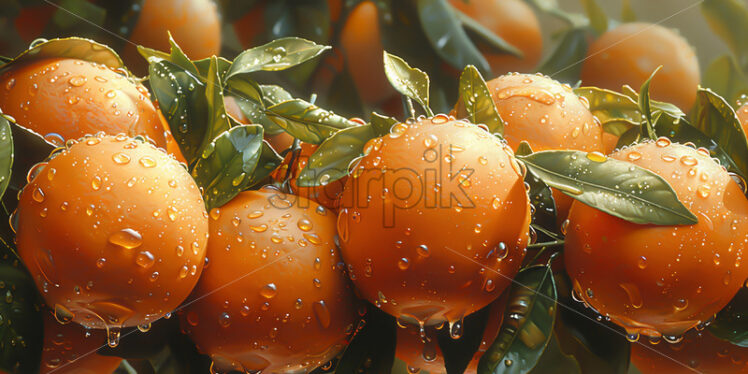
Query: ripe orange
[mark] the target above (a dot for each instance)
(70, 349)
(547, 115)
(743, 117)
(698, 352)
(630, 53)
(665, 280)
(434, 220)
(113, 232)
(325, 195)
(360, 42)
(513, 21)
(609, 142)
(68, 98)
(279, 142)
(194, 24)
(274, 297)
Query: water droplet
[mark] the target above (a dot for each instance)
(144, 327)
(642, 262)
(63, 315)
(269, 291)
(112, 336)
(455, 329)
(10, 84)
(704, 190)
(688, 160)
(77, 80)
(145, 259)
(304, 224)
(403, 263)
(398, 130)
(96, 183)
(126, 238)
(147, 162)
(120, 158)
(423, 250)
(38, 195)
(496, 203)
(224, 319)
(633, 156)
(663, 142)
(322, 313)
(596, 156)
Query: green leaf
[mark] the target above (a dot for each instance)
(218, 121)
(331, 160)
(225, 167)
(541, 196)
(714, 117)
(204, 65)
(618, 127)
(478, 102)
(627, 12)
(176, 57)
(182, 100)
(410, 82)
(731, 323)
(527, 326)
(564, 63)
(21, 332)
(551, 7)
(277, 55)
(381, 124)
(615, 187)
(306, 122)
(372, 350)
(554, 360)
(725, 78)
(255, 112)
(645, 106)
(729, 20)
(598, 18)
(477, 31)
(447, 37)
(78, 48)
(608, 105)
(6, 154)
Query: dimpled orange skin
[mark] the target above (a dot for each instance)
(274, 297)
(441, 255)
(516, 23)
(194, 24)
(74, 98)
(699, 352)
(629, 54)
(547, 115)
(326, 195)
(113, 229)
(360, 41)
(663, 279)
(68, 350)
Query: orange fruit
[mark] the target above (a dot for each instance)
(275, 297)
(743, 117)
(70, 349)
(609, 143)
(360, 42)
(64, 98)
(629, 53)
(698, 352)
(325, 195)
(194, 24)
(434, 220)
(113, 232)
(516, 23)
(547, 115)
(663, 280)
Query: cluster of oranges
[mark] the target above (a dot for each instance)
(431, 223)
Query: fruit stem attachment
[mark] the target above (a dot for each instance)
(295, 151)
(546, 244)
(545, 231)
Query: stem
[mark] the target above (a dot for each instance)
(546, 244)
(295, 150)
(552, 234)
(411, 110)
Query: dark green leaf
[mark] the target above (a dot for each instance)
(245, 87)
(609, 105)
(551, 7)
(176, 57)
(564, 64)
(409, 81)
(477, 31)
(6, 154)
(279, 54)
(29, 149)
(21, 332)
(79, 48)
(182, 100)
(731, 323)
(218, 121)
(226, 165)
(527, 326)
(729, 20)
(255, 112)
(447, 37)
(478, 102)
(627, 12)
(554, 360)
(724, 77)
(372, 350)
(306, 122)
(598, 18)
(458, 353)
(331, 160)
(714, 117)
(541, 196)
(615, 187)
(645, 106)
(204, 65)
(381, 124)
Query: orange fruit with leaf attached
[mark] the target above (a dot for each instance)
(547, 115)
(360, 42)
(279, 141)
(434, 220)
(663, 280)
(113, 231)
(194, 24)
(296, 160)
(629, 53)
(71, 349)
(63, 98)
(516, 23)
(274, 297)
(699, 352)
